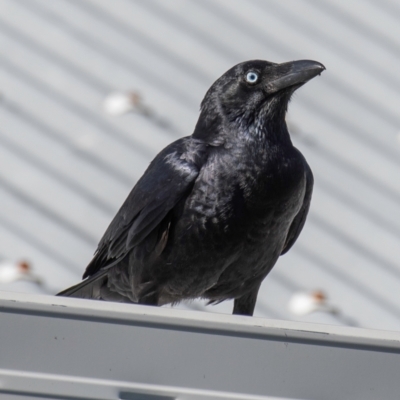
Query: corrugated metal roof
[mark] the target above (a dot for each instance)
(66, 166)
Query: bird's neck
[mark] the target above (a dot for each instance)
(263, 128)
(209, 127)
(267, 132)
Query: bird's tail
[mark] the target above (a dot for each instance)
(90, 288)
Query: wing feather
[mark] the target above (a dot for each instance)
(167, 180)
(300, 219)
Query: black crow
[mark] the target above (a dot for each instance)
(213, 211)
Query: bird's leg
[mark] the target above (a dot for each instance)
(149, 295)
(150, 300)
(245, 305)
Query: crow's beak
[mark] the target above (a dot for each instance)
(294, 73)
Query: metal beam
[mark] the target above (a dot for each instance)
(61, 348)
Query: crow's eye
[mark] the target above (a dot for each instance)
(252, 77)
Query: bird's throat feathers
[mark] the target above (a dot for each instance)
(219, 125)
(263, 127)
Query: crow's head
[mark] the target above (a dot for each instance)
(251, 93)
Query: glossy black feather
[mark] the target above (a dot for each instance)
(300, 219)
(214, 210)
(167, 179)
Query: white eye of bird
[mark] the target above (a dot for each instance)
(252, 77)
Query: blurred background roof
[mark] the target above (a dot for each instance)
(92, 90)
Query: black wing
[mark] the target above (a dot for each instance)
(167, 180)
(300, 219)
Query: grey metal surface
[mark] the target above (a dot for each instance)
(66, 166)
(72, 348)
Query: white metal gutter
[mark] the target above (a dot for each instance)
(62, 348)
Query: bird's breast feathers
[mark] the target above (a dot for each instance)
(239, 188)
